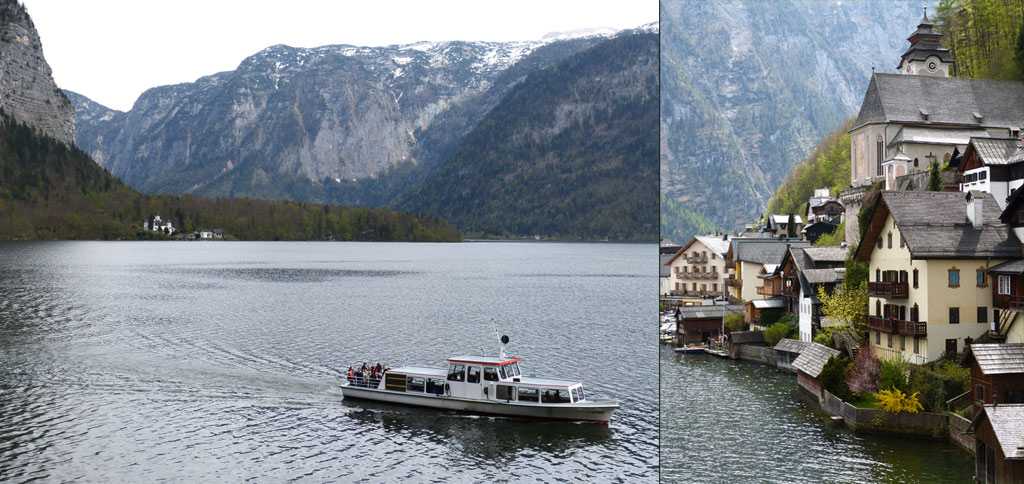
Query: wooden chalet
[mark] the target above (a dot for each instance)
(999, 440)
(997, 374)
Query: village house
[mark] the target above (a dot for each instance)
(803, 271)
(778, 225)
(920, 115)
(748, 257)
(699, 267)
(992, 165)
(999, 440)
(822, 207)
(997, 373)
(929, 254)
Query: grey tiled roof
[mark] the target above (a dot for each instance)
(813, 358)
(996, 359)
(791, 345)
(762, 251)
(1008, 424)
(1009, 267)
(937, 136)
(827, 254)
(935, 225)
(707, 312)
(822, 276)
(998, 151)
(947, 100)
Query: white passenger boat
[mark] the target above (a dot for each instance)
(483, 385)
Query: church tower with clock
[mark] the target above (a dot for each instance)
(926, 55)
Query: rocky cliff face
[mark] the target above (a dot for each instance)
(27, 90)
(289, 122)
(748, 88)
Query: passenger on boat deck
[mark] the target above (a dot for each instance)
(351, 375)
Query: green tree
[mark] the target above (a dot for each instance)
(935, 177)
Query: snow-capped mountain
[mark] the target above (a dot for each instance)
(288, 120)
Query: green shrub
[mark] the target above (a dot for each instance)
(791, 322)
(938, 383)
(734, 322)
(833, 377)
(825, 338)
(894, 374)
(775, 333)
(771, 316)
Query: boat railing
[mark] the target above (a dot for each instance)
(365, 381)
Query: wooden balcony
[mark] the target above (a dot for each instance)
(768, 291)
(1008, 301)
(730, 264)
(696, 259)
(697, 275)
(889, 290)
(897, 326)
(733, 282)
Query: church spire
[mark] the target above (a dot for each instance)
(926, 56)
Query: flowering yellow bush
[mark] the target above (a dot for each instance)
(895, 401)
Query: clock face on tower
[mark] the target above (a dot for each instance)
(932, 66)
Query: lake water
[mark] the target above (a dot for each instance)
(219, 361)
(725, 421)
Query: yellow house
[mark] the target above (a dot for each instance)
(929, 254)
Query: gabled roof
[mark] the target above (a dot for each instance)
(718, 244)
(997, 151)
(813, 358)
(935, 225)
(1007, 422)
(1010, 267)
(775, 302)
(791, 345)
(709, 312)
(762, 251)
(950, 101)
(998, 359)
(784, 218)
(827, 254)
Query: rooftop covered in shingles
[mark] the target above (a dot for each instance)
(998, 359)
(813, 358)
(1008, 424)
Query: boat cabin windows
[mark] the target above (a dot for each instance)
(435, 386)
(527, 394)
(473, 375)
(505, 392)
(457, 372)
(577, 394)
(490, 373)
(510, 370)
(552, 395)
(415, 384)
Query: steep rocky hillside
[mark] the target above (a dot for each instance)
(571, 152)
(748, 88)
(310, 124)
(27, 90)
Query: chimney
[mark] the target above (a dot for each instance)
(974, 209)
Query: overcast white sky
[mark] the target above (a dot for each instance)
(112, 50)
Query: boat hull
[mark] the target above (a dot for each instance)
(691, 350)
(597, 411)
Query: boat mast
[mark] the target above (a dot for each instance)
(502, 338)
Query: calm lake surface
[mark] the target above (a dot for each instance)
(219, 361)
(736, 421)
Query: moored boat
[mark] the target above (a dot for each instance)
(483, 385)
(690, 350)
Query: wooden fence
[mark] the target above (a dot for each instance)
(875, 419)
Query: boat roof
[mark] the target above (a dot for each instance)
(546, 382)
(419, 370)
(483, 360)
